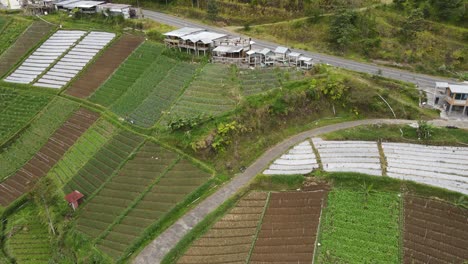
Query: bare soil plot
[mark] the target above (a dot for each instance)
(230, 239)
(435, 232)
(62, 139)
(104, 66)
(30, 37)
(289, 228)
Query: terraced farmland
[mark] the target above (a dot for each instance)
(356, 231)
(213, 92)
(29, 39)
(104, 66)
(230, 239)
(28, 240)
(12, 29)
(289, 228)
(170, 189)
(261, 80)
(84, 149)
(62, 139)
(127, 74)
(121, 191)
(17, 108)
(435, 232)
(163, 95)
(298, 160)
(105, 162)
(22, 148)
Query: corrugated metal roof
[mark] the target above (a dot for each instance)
(458, 88)
(442, 84)
(83, 4)
(265, 51)
(66, 2)
(114, 7)
(206, 37)
(228, 49)
(303, 58)
(282, 50)
(183, 31)
(294, 54)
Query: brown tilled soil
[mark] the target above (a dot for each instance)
(289, 228)
(230, 239)
(104, 66)
(435, 232)
(62, 139)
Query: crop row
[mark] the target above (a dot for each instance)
(17, 108)
(12, 30)
(127, 74)
(104, 163)
(82, 151)
(33, 34)
(171, 189)
(359, 229)
(163, 95)
(119, 193)
(29, 242)
(262, 80)
(21, 149)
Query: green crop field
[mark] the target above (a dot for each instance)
(17, 108)
(27, 239)
(11, 31)
(213, 92)
(120, 192)
(84, 149)
(3, 22)
(26, 41)
(261, 80)
(171, 189)
(105, 162)
(163, 94)
(353, 231)
(15, 153)
(127, 74)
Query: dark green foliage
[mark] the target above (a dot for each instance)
(343, 29)
(186, 123)
(212, 10)
(414, 23)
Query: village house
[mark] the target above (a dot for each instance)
(453, 97)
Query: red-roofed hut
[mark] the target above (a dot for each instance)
(74, 198)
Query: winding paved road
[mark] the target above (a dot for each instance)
(158, 248)
(425, 82)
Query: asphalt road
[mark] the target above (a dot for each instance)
(425, 82)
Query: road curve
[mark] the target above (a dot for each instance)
(424, 81)
(158, 248)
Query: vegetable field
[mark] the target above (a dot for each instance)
(21, 149)
(230, 239)
(262, 80)
(104, 163)
(127, 74)
(356, 231)
(17, 108)
(58, 143)
(172, 188)
(27, 239)
(26, 41)
(97, 73)
(11, 31)
(213, 92)
(435, 232)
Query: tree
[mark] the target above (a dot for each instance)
(448, 10)
(212, 11)
(414, 23)
(343, 29)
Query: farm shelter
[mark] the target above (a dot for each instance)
(61, 4)
(173, 38)
(40, 7)
(305, 62)
(293, 58)
(74, 199)
(281, 54)
(201, 41)
(457, 98)
(87, 7)
(228, 54)
(115, 9)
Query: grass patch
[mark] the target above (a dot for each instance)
(11, 32)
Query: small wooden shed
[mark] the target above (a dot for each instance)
(74, 199)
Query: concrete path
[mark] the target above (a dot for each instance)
(158, 248)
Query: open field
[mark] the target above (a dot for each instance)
(58, 143)
(11, 31)
(30, 38)
(150, 162)
(172, 188)
(289, 228)
(163, 95)
(104, 163)
(435, 232)
(27, 239)
(354, 230)
(262, 80)
(212, 93)
(230, 239)
(82, 151)
(22, 148)
(104, 66)
(127, 74)
(17, 108)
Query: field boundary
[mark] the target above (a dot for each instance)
(259, 227)
(317, 237)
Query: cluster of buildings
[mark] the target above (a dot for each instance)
(453, 98)
(224, 48)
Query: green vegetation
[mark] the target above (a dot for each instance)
(262, 80)
(358, 227)
(11, 31)
(17, 108)
(24, 145)
(407, 134)
(27, 239)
